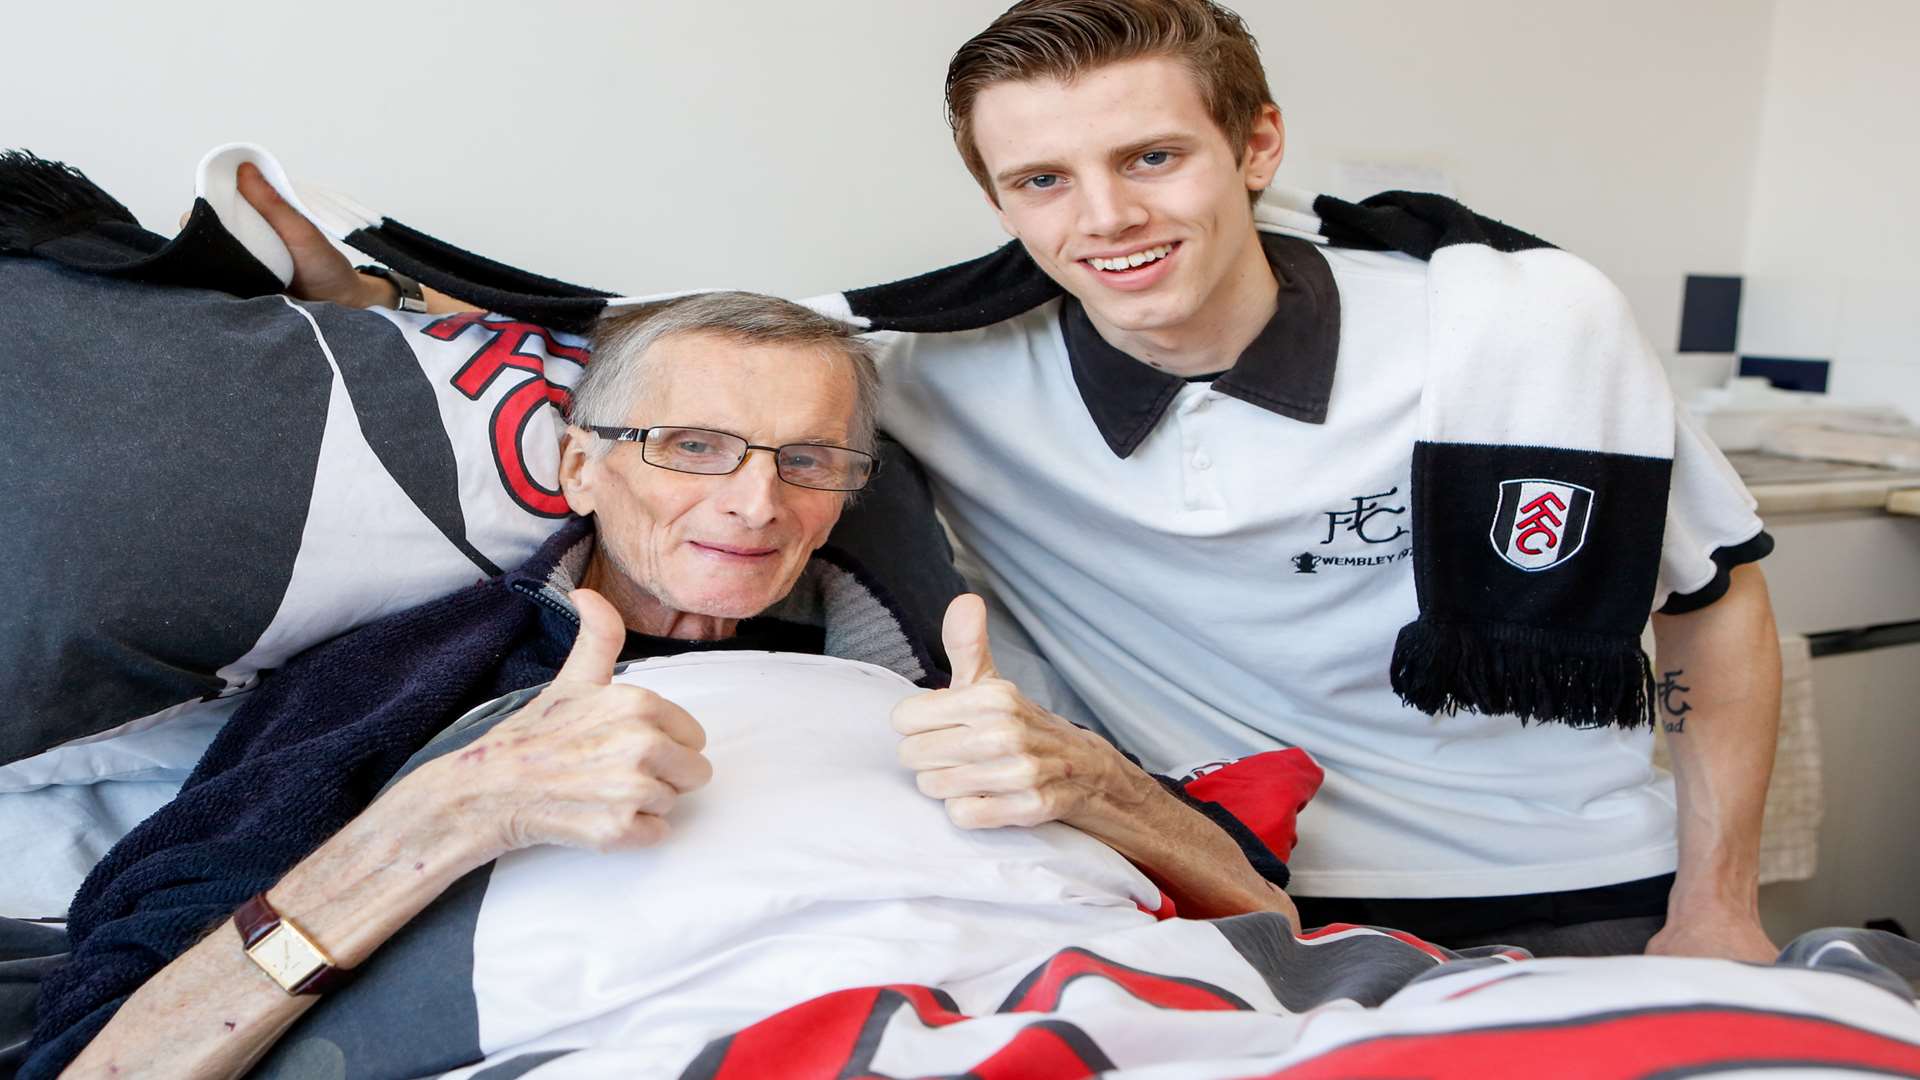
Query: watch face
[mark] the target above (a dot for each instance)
(289, 958)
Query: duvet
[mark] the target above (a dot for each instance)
(813, 915)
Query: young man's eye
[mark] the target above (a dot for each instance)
(1156, 158)
(1041, 182)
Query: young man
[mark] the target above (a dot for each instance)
(1190, 479)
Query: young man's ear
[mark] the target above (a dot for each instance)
(577, 469)
(1266, 145)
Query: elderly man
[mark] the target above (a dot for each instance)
(713, 443)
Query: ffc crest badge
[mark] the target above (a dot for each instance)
(1540, 523)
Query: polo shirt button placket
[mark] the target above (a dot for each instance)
(1203, 489)
(1198, 477)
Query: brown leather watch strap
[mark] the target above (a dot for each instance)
(256, 918)
(326, 980)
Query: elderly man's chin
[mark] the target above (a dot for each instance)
(733, 605)
(725, 589)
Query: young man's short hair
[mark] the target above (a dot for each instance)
(1063, 39)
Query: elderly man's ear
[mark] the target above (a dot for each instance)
(577, 470)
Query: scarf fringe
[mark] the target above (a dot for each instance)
(1581, 680)
(41, 199)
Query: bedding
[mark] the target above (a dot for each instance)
(61, 810)
(813, 915)
(53, 836)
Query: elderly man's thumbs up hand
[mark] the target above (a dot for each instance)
(994, 757)
(588, 763)
(964, 633)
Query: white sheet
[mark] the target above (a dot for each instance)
(61, 810)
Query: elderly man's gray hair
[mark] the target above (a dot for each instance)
(619, 374)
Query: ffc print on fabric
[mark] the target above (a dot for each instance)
(1539, 524)
(498, 351)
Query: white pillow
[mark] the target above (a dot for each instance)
(810, 863)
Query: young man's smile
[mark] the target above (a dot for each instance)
(1131, 271)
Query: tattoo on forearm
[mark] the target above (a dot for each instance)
(1673, 701)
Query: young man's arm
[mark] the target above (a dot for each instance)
(320, 271)
(1718, 672)
(997, 759)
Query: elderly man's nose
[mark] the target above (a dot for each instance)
(752, 492)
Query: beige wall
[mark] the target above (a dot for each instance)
(799, 147)
(1833, 240)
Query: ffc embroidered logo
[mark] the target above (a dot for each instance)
(1361, 520)
(1540, 523)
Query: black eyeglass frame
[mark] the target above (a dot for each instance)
(639, 435)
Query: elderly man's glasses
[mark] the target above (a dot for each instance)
(716, 453)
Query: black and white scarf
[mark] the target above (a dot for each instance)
(1539, 481)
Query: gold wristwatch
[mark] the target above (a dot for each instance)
(284, 951)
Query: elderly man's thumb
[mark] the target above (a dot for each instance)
(597, 647)
(964, 633)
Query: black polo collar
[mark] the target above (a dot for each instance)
(1288, 369)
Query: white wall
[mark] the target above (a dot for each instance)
(1833, 241)
(798, 148)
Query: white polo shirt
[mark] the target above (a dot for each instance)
(1220, 568)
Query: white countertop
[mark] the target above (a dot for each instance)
(1792, 486)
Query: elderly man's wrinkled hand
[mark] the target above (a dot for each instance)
(994, 757)
(588, 763)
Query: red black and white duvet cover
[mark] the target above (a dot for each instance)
(813, 915)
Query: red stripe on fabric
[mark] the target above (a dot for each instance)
(926, 1006)
(1423, 945)
(1401, 936)
(1043, 994)
(1329, 930)
(1477, 987)
(1165, 911)
(1624, 1046)
(1036, 1053)
(814, 1039)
